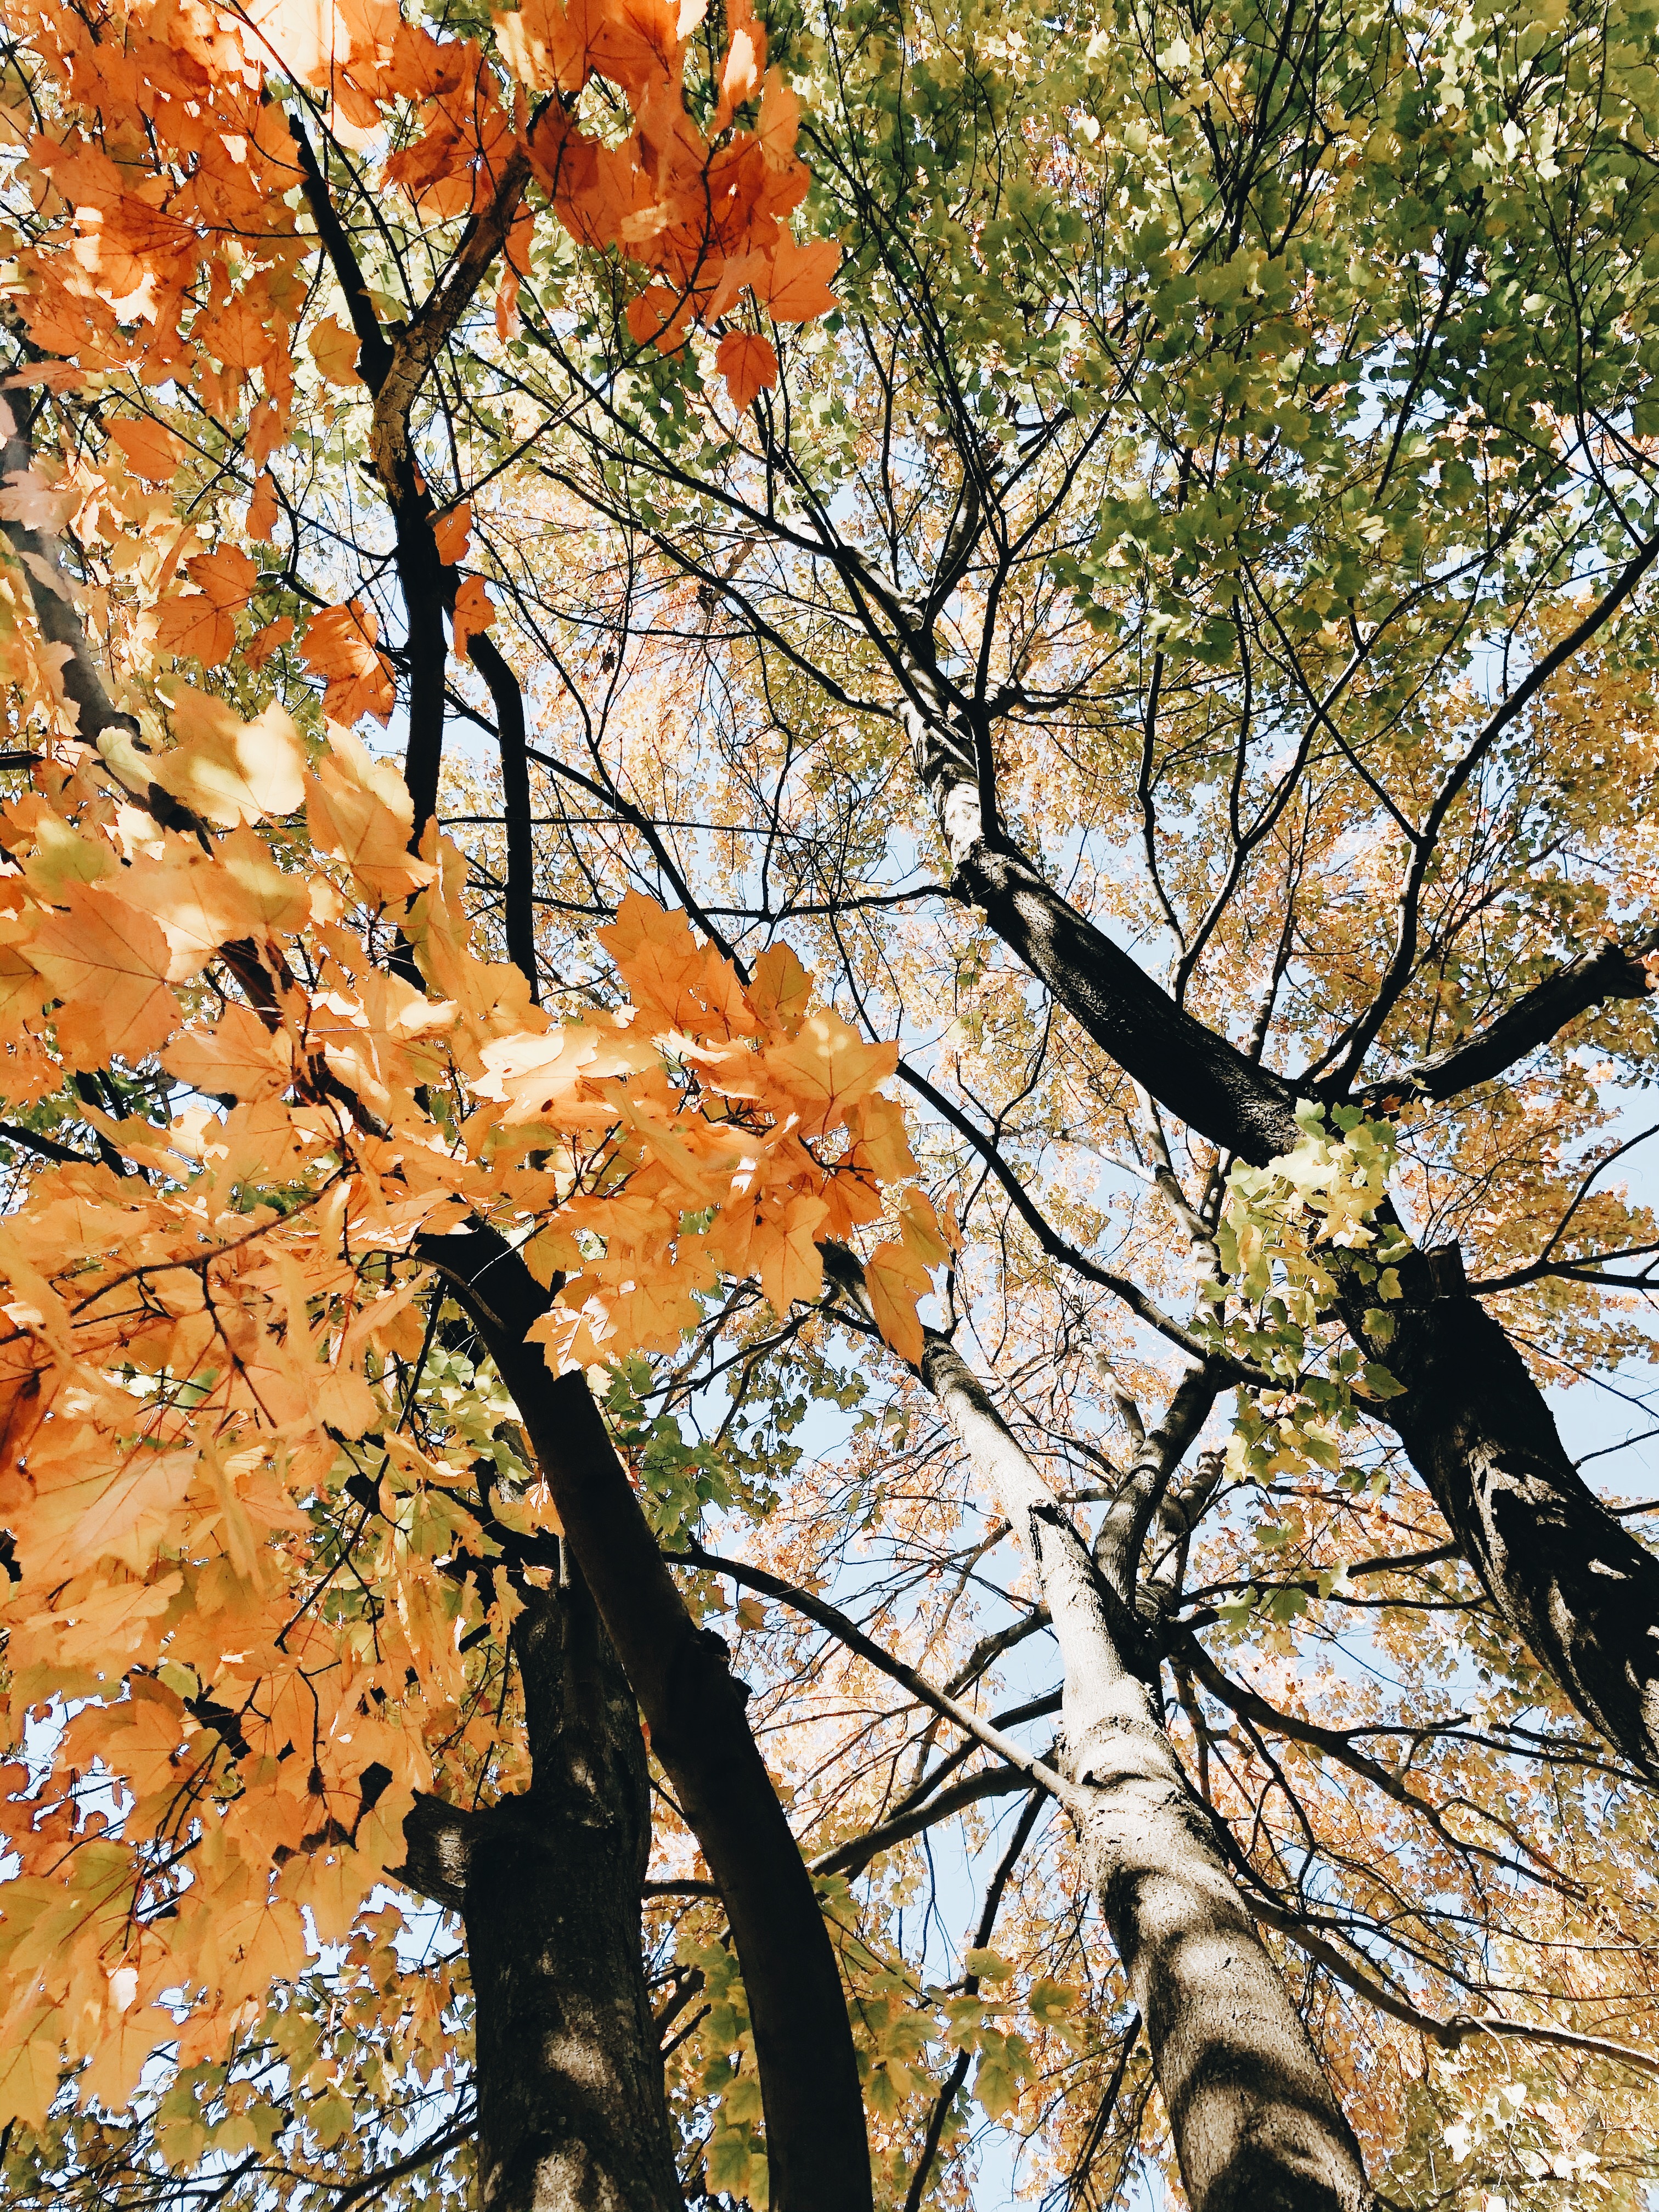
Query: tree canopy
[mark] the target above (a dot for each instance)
(828, 900)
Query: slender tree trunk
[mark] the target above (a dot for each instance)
(1562, 1570)
(1256, 2125)
(571, 2116)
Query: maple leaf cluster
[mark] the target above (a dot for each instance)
(708, 218)
(166, 170)
(204, 1331)
(171, 179)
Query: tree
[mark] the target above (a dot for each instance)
(1135, 490)
(1153, 469)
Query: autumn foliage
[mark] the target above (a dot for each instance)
(586, 592)
(172, 175)
(210, 1333)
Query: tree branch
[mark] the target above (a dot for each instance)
(849, 1633)
(1612, 971)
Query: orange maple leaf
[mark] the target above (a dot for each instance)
(339, 646)
(784, 1251)
(931, 1241)
(452, 533)
(749, 363)
(827, 1068)
(335, 350)
(796, 288)
(473, 612)
(108, 964)
(360, 808)
(263, 511)
(190, 626)
(895, 1278)
(150, 449)
(258, 648)
(227, 575)
(239, 1056)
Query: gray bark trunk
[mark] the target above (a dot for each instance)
(1256, 2125)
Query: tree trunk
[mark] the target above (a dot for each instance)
(817, 2151)
(1563, 1570)
(571, 2116)
(572, 2111)
(1256, 2125)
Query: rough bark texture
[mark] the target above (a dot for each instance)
(571, 2116)
(571, 2110)
(1256, 2126)
(816, 2148)
(1562, 1570)
(1565, 1573)
(1240, 1105)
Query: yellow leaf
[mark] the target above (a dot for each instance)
(923, 1232)
(360, 808)
(895, 1278)
(29, 2060)
(335, 349)
(227, 770)
(108, 963)
(238, 1056)
(785, 1251)
(827, 1068)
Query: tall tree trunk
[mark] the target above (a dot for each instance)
(571, 2116)
(571, 2110)
(1256, 2125)
(817, 2151)
(1562, 1570)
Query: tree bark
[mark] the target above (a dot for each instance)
(816, 2148)
(1562, 1570)
(1256, 2125)
(1565, 1572)
(572, 2114)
